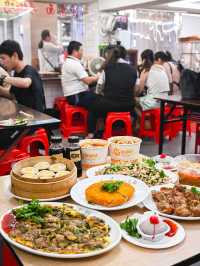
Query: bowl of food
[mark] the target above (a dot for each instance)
(43, 177)
(188, 166)
(124, 148)
(152, 227)
(94, 152)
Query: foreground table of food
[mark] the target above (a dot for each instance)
(132, 210)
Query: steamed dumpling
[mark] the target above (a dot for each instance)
(29, 170)
(62, 173)
(57, 167)
(42, 166)
(29, 175)
(45, 174)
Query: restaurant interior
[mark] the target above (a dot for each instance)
(99, 132)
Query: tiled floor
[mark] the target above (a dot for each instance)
(172, 147)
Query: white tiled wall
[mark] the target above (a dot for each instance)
(91, 30)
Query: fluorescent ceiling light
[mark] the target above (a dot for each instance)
(189, 4)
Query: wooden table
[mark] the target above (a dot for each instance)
(125, 254)
(39, 120)
(191, 111)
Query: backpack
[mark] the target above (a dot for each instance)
(190, 84)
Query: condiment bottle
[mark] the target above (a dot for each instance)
(73, 152)
(56, 148)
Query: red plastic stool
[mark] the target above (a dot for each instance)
(197, 140)
(74, 120)
(112, 118)
(14, 156)
(176, 127)
(40, 136)
(59, 102)
(154, 132)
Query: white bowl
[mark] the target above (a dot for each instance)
(156, 237)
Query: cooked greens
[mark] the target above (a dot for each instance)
(130, 226)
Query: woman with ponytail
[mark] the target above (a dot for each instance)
(48, 53)
(119, 83)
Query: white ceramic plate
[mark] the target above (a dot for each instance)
(150, 204)
(166, 242)
(115, 235)
(173, 177)
(78, 191)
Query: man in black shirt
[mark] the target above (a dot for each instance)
(26, 84)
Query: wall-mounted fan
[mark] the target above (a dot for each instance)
(95, 64)
(108, 23)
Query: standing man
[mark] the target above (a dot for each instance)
(75, 79)
(26, 84)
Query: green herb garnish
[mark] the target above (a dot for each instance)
(162, 174)
(150, 162)
(112, 186)
(32, 211)
(130, 226)
(195, 191)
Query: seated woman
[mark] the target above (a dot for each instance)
(147, 57)
(118, 91)
(157, 83)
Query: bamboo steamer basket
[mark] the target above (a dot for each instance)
(39, 188)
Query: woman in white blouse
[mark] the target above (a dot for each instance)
(48, 53)
(157, 83)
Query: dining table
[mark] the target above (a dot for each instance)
(35, 119)
(183, 254)
(191, 111)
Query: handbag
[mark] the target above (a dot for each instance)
(190, 84)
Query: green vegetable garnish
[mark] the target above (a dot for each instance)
(162, 174)
(150, 162)
(112, 186)
(195, 191)
(32, 211)
(130, 226)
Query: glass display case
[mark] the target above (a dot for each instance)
(190, 52)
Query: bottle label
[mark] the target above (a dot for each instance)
(75, 156)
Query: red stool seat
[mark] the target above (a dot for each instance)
(154, 132)
(40, 136)
(197, 140)
(112, 118)
(59, 102)
(73, 120)
(14, 156)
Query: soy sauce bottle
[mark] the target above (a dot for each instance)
(73, 152)
(56, 148)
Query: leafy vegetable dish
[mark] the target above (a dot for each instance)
(144, 170)
(58, 229)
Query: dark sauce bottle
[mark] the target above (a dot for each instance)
(73, 152)
(56, 148)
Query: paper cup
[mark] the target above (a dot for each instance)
(124, 148)
(94, 152)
